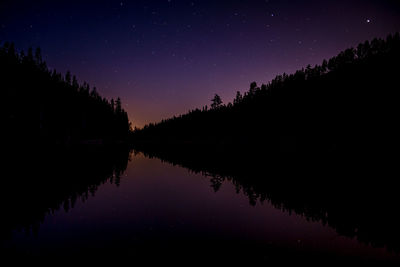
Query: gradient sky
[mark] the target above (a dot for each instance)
(166, 57)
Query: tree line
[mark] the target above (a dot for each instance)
(344, 103)
(66, 111)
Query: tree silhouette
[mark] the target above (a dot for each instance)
(253, 88)
(238, 98)
(118, 108)
(68, 77)
(216, 102)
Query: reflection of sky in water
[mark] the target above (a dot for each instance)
(163, 203)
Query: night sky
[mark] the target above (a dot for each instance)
(166, 57)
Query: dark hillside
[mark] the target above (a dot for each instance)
(65, 111)
(347, 104)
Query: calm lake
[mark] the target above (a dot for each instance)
(158, 212)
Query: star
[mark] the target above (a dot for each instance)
(368, 20)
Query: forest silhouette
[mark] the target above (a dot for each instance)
(346, 105)
(67, 112)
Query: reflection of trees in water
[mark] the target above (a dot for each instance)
(335, 192)
(54, 179)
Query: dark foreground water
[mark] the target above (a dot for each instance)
(157, 213)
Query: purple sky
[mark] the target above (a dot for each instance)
(166, 57)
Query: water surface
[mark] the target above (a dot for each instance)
(158, 211)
